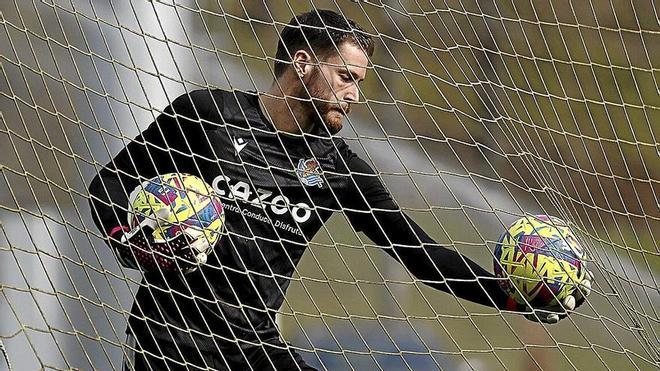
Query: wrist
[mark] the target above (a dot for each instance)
(122, 251)
(120, 228)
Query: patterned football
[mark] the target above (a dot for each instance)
(184, 203)
(542, 260)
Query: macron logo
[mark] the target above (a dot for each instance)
(239, 144)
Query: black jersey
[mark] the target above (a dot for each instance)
(277, 190)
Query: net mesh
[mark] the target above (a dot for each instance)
(475, 115)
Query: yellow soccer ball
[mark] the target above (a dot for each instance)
(178, 203)
(542, 259)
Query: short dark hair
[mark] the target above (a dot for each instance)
(318, 32)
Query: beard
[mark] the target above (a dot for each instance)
(331, 114)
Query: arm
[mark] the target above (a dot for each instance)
(164, 147)
(378, 216)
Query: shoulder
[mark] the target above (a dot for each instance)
(348, 161)
(241, 109)
(200, 101)
(364, 182)
(194, 104)
(199, 106)
(220, 107)
(343, 150)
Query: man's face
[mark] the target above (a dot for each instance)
(333, 85)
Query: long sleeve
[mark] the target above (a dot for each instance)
(375, 213)
(170, 144)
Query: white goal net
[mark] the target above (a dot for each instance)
(476, 114)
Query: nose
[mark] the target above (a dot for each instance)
(353, 94)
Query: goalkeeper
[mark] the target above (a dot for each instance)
(281, 175)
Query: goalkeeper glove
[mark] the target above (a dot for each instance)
(137, 248)
(555, 313)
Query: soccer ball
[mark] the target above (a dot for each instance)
(542, 260)
(177, 203)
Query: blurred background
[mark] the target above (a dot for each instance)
(477, 113)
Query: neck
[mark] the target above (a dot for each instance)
(285, 112)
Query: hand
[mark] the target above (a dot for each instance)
(139, 248)
(554, 314)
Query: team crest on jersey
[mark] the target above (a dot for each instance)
(309, 172)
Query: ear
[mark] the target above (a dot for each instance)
(302, 63)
